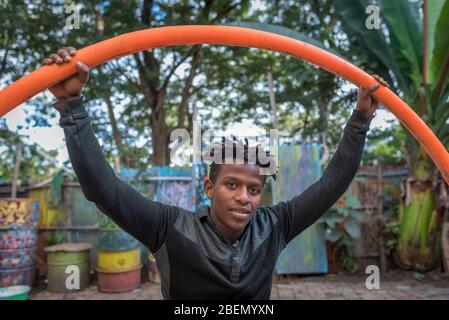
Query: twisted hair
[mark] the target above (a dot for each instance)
(229, 150)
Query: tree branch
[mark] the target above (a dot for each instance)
(144, 81)
(182, 110)
(176, 65)
(146, 12)
(3, 65)
(224, 12)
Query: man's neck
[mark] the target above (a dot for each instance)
(231, 235)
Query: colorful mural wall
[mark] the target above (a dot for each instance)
(299, 168)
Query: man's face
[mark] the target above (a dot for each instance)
(235, 196)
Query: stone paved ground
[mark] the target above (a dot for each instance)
(396, 287)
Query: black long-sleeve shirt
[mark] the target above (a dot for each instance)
(194, 259)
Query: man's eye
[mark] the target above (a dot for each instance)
(231, 185)
(254, 190)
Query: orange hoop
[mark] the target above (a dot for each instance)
(46, 76)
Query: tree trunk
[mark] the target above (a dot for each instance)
(99, 29)
(115, 132)
(160, 132)
(161, 137)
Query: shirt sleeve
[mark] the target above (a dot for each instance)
(303, 210)
(148, 221)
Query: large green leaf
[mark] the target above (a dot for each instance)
(354, 18)
(353, 229)
(405, 32)
(333, 235)
(433, 12)
(440, 57)
(357, 215)
(441, 114)
(352, 202)
(331, 218)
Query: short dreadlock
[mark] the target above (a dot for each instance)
(229, 149)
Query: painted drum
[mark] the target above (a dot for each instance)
(119, 260)
(116, 240)
(18, 258)
(16, 277)
(18, 212)
(119, 281)
(68, 259)
(18, 238)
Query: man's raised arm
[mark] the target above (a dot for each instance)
(148, 221)
(303, 210)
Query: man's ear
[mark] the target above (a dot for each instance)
(208, 188)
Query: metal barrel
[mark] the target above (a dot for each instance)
(67, 263)
(15, 277)
(18, 258)
(119, 260)
(119, 281)
(18, 240)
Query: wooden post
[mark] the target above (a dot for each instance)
(380, 209)
(15, 175)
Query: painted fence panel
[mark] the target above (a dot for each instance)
(299, 168)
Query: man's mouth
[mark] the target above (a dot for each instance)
(240, 211)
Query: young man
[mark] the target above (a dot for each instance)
(228, 250)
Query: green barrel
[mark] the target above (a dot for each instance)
(63, 263)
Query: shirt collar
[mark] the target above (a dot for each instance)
(202, 212)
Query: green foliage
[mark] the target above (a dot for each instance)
(54, 237)
(350, 264)
(106, 222)
(33, 165)
(387, 145)
(392, 232)
(419, 276)
(343, 229)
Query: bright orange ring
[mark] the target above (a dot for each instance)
(37, 81)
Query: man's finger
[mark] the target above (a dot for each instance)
(47, 61)
(71, 50)
(370, 90)
(381, 80)
(83, 72)
(64, 54)
(56, 58)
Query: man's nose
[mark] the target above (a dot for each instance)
(242, 196)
